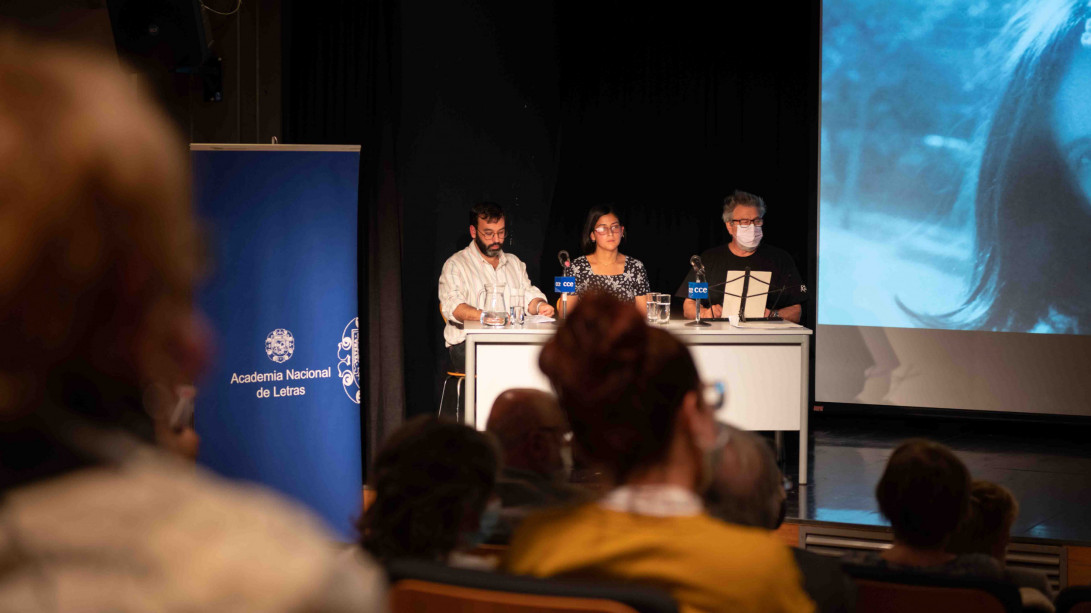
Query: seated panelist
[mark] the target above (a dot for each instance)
(603, 268)
(744, 217)
(483, 261)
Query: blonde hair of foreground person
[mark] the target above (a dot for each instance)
(97, 239)
(98, 258)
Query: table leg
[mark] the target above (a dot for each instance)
(469, 417)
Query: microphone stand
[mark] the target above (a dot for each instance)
(564, 295)
(697, 323)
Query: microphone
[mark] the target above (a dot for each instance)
(562, 257)
(695, 262)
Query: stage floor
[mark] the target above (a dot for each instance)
(1046, 466)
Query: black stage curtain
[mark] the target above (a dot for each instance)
(340, 78)
(549, 108)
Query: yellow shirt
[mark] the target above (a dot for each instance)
(707, 565)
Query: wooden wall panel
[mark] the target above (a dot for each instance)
(1079, 565)
(789, 534)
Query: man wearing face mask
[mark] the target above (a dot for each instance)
(744, 215)
(537, 455)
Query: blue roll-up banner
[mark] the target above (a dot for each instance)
(280, 404)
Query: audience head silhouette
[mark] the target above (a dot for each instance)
(433, 479)
(924, 492)
(987, 527)
(747, 488)
(531, 430)
(97, 237)
(631, 393)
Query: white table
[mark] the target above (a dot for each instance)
(765, 371)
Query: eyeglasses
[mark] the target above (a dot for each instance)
(489, 234)
(714, 394)
(613, 229)
(566, 434)
(746, 222)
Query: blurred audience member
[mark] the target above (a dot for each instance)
(748, 490)
(434, 482)
(637, 407)
(925, 493)
(100, 255)
(537, 455)
(987, 530)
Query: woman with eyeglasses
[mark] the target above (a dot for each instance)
(639, 411)
(603, 268)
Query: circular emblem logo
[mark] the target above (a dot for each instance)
(279, 345)
(348, 360)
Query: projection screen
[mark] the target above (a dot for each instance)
(954, 212)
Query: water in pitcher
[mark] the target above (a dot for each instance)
(495, 310)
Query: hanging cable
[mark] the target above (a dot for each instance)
(238, 5)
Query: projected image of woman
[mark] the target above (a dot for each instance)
(1033, 196)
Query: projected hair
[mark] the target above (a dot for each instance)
(1031, 216)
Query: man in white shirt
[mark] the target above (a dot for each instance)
(465, 274)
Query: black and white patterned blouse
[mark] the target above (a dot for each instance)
(632, 282)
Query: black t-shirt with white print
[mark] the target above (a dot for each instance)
(719, 260)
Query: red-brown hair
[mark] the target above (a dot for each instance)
(620, 382)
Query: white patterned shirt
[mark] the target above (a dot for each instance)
(464, 277)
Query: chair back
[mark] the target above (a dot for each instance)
(416, 596)
(1074, 599)
(418, 586)
(889, 591)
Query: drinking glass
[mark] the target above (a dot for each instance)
(663, 308)
(518, 307)
(652, 307)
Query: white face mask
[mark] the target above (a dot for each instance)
(748, 237)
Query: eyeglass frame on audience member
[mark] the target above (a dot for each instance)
(714, 394)
(602, 229)
(565, 433)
